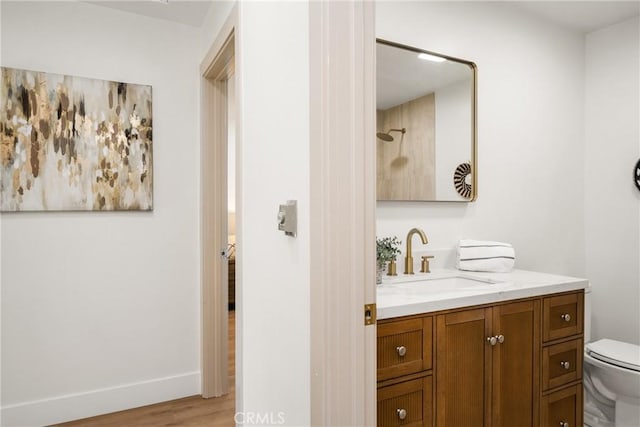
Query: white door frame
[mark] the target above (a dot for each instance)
(342, 161)
(215, 70)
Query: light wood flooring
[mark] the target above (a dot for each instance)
(191, 411)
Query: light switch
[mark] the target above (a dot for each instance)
(288, 218)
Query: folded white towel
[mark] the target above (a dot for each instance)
(479, 255)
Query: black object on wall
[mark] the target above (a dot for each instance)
(459, 180)
(636, 175)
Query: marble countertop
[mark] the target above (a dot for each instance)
(445, 289)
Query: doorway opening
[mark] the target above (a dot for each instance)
(218, 216)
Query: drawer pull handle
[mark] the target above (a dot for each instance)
(564, 424)
(565, 365)
(402, 413)
(492, 340)
(500, 338)
(402, 350)
(566, 317)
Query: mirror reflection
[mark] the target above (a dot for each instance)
(425, 134)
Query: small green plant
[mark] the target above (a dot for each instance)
(387, 249)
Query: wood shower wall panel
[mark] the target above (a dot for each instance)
(406, 166)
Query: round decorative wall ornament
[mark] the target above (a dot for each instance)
(461, 178)
(636, 175)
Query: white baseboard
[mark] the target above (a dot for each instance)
(97, 402)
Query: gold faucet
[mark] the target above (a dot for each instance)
(408, 259)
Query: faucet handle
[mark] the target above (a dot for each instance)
(425, 264)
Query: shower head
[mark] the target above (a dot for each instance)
(387, 137)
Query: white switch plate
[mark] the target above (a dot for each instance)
(288, 218)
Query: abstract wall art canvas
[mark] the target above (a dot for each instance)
(73, 143)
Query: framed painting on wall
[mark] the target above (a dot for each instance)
(74, 144)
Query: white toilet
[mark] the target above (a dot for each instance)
(611, 380)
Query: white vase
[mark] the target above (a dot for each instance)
(379, 273)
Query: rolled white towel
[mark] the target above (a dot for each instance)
(479, 255)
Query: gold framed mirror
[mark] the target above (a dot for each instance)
(426, 132)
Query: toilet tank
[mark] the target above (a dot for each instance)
(587, 314)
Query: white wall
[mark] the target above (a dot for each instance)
(212, 23)
(453, 135)
(612, 208)
(100, 311)
(273, 315)
(530, 104)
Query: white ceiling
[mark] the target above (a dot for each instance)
(184, 11)
(581, 16)
(402, 77)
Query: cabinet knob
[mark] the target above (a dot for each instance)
(566, 317)
(500, 338)
(401, 350)
(564, 424)
(402, 413)
(492, 340)
(565, 365)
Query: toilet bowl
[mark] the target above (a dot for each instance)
(611, 380)
(613, 368)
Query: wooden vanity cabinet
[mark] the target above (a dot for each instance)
(563, 316)
(562, 359)
(404, 347)
(561, 364)
(563, 408)
(463, 372)
(488, 358)
(516, 364)
(408, 403)
(405, 382)
(506, 364)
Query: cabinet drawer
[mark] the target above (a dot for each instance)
(407, 404)
(404, 347)
(562, 316)
(563, 406)
(561, 364)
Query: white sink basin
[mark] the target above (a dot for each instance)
(424, 284)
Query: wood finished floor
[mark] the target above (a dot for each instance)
(191, 411)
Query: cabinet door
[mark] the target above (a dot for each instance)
(463, 355)
(516, 364)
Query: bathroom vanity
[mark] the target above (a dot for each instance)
(480, 349)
